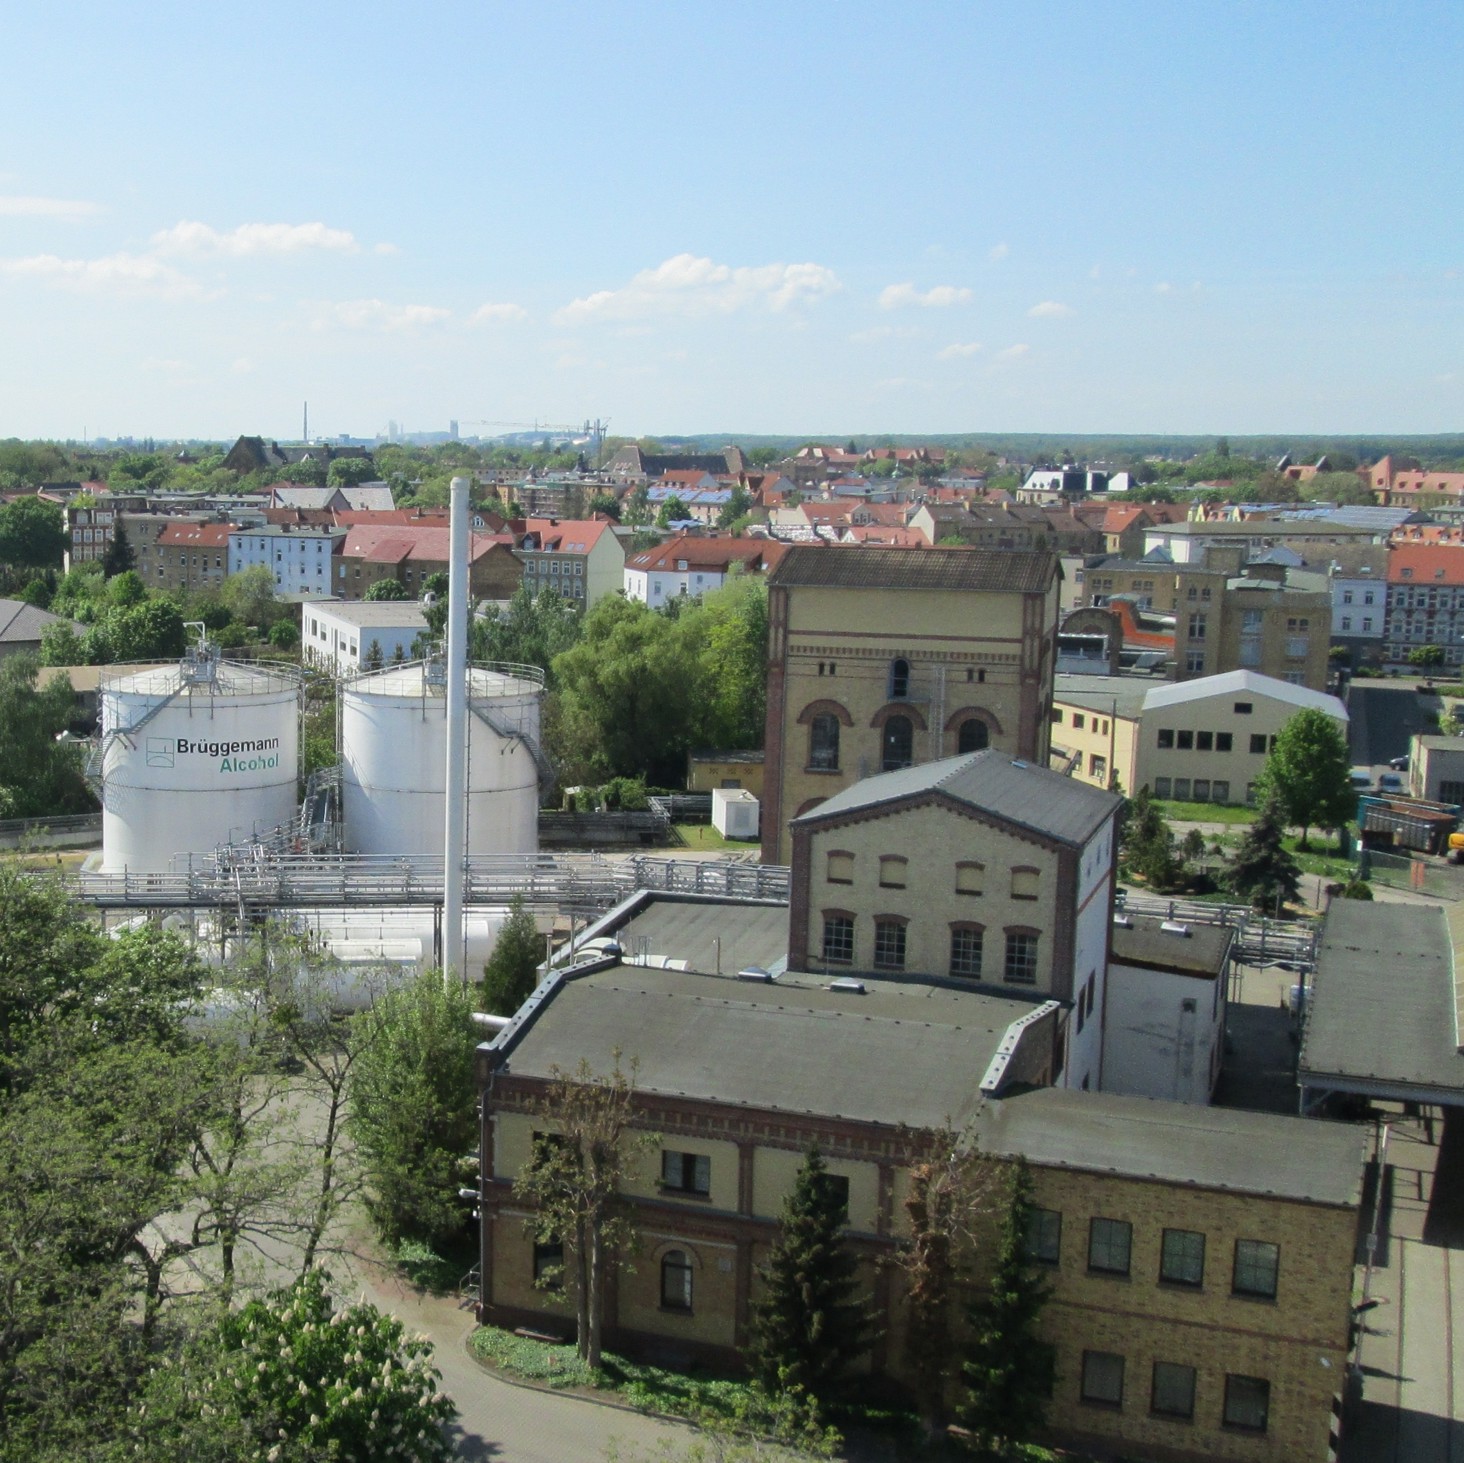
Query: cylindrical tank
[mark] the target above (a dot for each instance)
(194, 755)
(394, 760)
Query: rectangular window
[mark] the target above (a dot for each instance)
(1247, 1403)
(1223, 741)
(1257, 1265)
(840, 868)
(889, 944)
(1021, 958)
(1109, 1245)
(891, 871)
(1161, 787)
(1204, 741)
(1194, 662)
(1243, 708)
(970, 878)
(1103, 1378)
(966, 953)
(1346, 622)
(1258, 744)
(838, 939)
(1097, 766)
(1044, 1236)
(686, 1173)
(1197, 627)
(1181, 789)
(1185, 741)
(1219, 792)
(834, 1187)
(549, 1264)
(1025, 883)
(1202, 790)
(1165, 740)
(1182, 1257)
(1078, 721)
(1174, 1390)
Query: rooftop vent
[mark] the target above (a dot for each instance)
(1173, 927)
(1017, 762)
(755, 972)
(1123, 922)
(849, 987)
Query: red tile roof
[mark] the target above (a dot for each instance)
(204, 535)
(568, 535)
(1426, 564)
(392, 544)
(714, 554)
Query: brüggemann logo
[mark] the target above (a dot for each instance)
(257, 755)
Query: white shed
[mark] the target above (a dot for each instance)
(735, 812)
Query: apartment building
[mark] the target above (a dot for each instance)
(299, 557)
(882, 658)
(344, 637)
(691, 565)
(581, 559)
(411, 555)
(1425, 603)
(186, 555)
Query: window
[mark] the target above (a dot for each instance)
(1181, 789)
(1044, 1236)
(889, 943)
(1201, 792)
(1182, 1257)
(1078, 721)
(1346, 622)
(1258, 744)
(834, 1188)
(1197, 627)
(1247, 1401)
(686, 1173)
(1223, 741)
(899, 679)
(891, 871)
(1256, 1266)
(823, 744)
(898, 744)
(1021, 957)
(1243, 708)
(838, 939)
(966, 943)
(970, 878)
(1166, 738)
(1025, 883)
(1174, 1390)
(1185, 741)
(1103, 1378)
(1219, 791)
(549, 1264)
(675, 1281)
(1162, 787)
(840, 867)
(1194, 662)
(973, 736)
(1109, 1243)
(1097, 766)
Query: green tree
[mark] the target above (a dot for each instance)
(1263, 870)
(574, 1180)
(152, 630)
(61, 645)
(297, 1378)
(387, 589)
(1008, 1368)
(734, 663)
(32, 534)
(283, 635)
(606, 503)
(673, 510)
(1308, 773)
(249, 596)
(1426, 657)
(512, 970)
(809, 1325)
(534, 630)
(736, 507)
(636, 507)
(120, 556)
(346, 472)
(1148, 842)
(39, 776)
(413, 1100)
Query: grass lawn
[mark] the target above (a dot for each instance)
(703, 836)
(1205, 812)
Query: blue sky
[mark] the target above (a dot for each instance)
(806, 218)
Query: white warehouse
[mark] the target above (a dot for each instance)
(344, 636)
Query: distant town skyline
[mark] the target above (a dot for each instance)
(944, 218)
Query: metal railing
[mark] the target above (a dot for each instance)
(1258, 939)
(17, 832)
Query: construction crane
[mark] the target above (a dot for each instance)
(594, 430)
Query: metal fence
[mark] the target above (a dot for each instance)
(1258, 940)
(75, 828)
(1397, 871)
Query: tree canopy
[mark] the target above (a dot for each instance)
(39, 776)
(1307, 772)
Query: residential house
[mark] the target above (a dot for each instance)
(981, 868)
(22, 625)
(299, 557)
(580, 558)
(1395, 484)
(186, 555)
(411, 555)
(1425, 601)
(631, 465)
(881, 658)
(360, 498)
(693, 565)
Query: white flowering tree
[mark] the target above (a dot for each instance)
(292, 1380)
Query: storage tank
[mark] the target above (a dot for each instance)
(192, 756)
(394, 759)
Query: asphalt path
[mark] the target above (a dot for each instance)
(1383, 715)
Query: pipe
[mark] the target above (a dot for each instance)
(455, 819)
(493, 1023)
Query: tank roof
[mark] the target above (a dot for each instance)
(483, 680)
(230, 678)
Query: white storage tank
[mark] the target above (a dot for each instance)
(394, 760)
(192, 756)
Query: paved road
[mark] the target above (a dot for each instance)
(1383, 716)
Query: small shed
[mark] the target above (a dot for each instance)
(735, 812)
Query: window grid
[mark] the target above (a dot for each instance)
(1110, 1242)
(1173, 1393)
(1021, 958)
(676, 1281)
(966, 953)
(889, 944)
(1182, 1258)
(838, 939)
(1044, 1236)
(1103, 1378)
(1257, 1264)
(1247, 1403)
(687, 1173)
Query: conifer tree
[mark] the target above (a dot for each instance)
(1008, 1369)
(512, 970)
(1263, 869)
(809, 1324)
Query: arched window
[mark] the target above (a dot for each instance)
(823, 744)
(899, 744)
(899, 679)
(973, 736)
(675, 1281)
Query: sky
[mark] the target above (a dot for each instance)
(807, 219)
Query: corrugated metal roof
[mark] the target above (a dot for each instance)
(993, 781)
(990, 571)
(1243, 683)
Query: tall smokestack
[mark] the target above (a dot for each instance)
(455, 821)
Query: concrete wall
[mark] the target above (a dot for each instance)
(1153, 1046)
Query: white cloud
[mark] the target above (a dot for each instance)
(191, 237)
(378, 315)
(494, 314)
(385, 249)
(1050, 310)
(957, 350)
(17, 205)
(998, 252)
(938, 297)
(1013, 352)
(689, 285)
(113, 274)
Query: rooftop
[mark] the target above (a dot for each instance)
(1146, 943)
(1179, 1143)
(993, 782)
(1383, 1015)
(992, 571)
(367, 613)
(1243, 683)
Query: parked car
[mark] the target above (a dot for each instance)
(1399, 764)
(1390, 782)
(1361, 779)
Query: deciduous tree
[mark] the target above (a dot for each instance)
(1307, 771)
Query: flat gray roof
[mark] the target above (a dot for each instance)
(1146, 943)
(992, 781)
(1120, 695)
(403, 613)
(749, 934)
(1178, 1143)
(1383, 1018)
(902, 1053)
